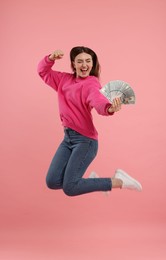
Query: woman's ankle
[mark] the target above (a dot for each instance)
(116, 183)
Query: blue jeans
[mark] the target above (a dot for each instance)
(69, 164)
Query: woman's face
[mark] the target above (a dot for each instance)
(83, 64)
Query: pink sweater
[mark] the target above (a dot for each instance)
(77, 97)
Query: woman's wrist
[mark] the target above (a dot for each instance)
(51, 57)
(110, 110)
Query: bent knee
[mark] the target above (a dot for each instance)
(69, 190)
(49, 184)
(52, 184)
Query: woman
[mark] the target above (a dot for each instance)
(78, 93)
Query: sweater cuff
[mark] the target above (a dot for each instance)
(106, 109)
(47, 60)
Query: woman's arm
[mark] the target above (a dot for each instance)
(49, 76)
(98, 101)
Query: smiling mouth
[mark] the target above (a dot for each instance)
(84, 70)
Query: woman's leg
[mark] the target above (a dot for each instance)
(84, 150)
(54, 178)
(70, 162)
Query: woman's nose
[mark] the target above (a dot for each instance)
(84, 63)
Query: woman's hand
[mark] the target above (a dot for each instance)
(116, 105)
(56, 55)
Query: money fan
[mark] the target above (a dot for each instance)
(119, 88)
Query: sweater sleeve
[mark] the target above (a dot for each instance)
(49, 76)
(97, 100)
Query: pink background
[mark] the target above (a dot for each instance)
(37, 223)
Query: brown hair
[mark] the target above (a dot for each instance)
(95, 71)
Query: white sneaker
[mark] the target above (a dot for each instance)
(93, 175)
(128, 181)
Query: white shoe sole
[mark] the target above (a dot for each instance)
(128, 181)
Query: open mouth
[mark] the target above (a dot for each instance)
(84, 71)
